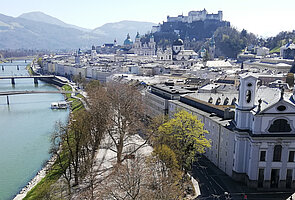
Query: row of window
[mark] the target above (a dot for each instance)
(277, 154)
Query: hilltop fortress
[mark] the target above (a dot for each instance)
(196, 26)
(193, 16)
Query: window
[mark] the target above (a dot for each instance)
(226, 101)
(210, 100)
(280, 125)
(248, 96)
(233, 101)
(275, 176)
(260, 178)
(218, 101)
(291, 156)
(277, 153)
(262, 155)
(289, 178)
(281, 108)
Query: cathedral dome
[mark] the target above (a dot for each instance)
(178, 42)
(128, 41)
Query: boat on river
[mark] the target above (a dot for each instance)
(59, 105)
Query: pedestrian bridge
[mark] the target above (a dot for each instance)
(7, 93)
(36, 78)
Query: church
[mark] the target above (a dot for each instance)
(252, 131)
(177, 52)
(265, 136)
(144, 49)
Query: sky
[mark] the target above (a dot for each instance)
(261, 17)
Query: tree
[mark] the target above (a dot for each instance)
(92, 86)
(166, 155)
(126, 114)
(99, 109)
(71, 145)
(141, 178)
(81, 81)
(79, 131)
(230, 42)
(39, 62)
(59, 139)
(185, 135)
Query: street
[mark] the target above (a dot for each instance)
(214, 183)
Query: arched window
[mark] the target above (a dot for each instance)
(248, 96)
(225, 101)
(233, 101)
(210, 100)
(280, 125)
(277, 152)
(218, 101)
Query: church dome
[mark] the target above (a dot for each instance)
(178, 42)
(137, 35)
(128, 41)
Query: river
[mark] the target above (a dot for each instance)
(25, 128)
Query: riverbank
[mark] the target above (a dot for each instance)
(34, 181)
(47, 175)
(25, 127)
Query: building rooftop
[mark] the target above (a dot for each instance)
(176, 89)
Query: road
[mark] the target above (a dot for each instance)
(214, 183)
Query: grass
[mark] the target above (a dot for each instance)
(76, 103)
(80, 96)
(44, 186)
(67, 88)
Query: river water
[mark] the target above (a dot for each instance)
(25, 129)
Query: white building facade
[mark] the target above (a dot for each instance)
(193, 16)
(144, 49)
(257, 145)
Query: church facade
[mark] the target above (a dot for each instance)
(252, 133)
(144, 49)
(265, 138)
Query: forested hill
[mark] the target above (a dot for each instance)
(230, 42)
(274, 43)
(195, 31)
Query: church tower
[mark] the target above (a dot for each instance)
(152, 45)
(177, 46)
(137, 43)
(247, 92)
(93, 52)
(212, 48)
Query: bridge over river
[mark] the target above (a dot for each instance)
(8, 93)
(36, 78)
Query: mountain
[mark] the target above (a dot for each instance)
(42, 17)
(119, 30)
(18, 33)
(36, 30)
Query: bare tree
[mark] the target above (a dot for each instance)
(79, 131)
(59, 139)
(126, 117)
(140, 178)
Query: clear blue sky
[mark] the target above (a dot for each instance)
(262, 17)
